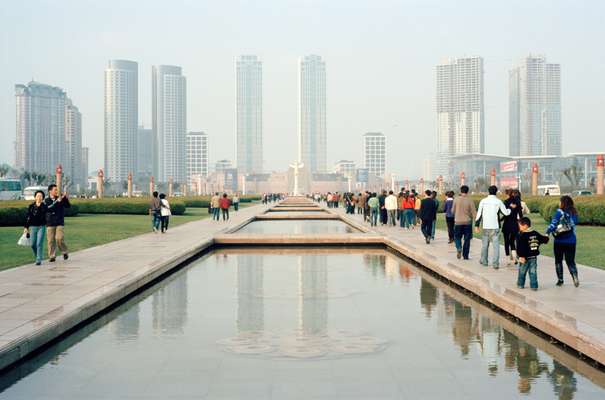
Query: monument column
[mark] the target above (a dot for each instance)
(534, 179)
(59, 178)
(129, 191)
(600, 168)
(100, 183)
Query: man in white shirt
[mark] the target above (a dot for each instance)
(487, 215)
(390, 203)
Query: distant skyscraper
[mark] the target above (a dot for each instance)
(197, 155)
(40, 139)
(144, 152)
(73, 142)
(312, 136)
(374, 153)
(85, 164)
(121, 118)
(169, 113)
(249, 114)
(535, 108)
(460, 110)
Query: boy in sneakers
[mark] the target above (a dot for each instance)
(528, 249)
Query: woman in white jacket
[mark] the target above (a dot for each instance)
(164, 212)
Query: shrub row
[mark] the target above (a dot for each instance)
(121, 205)
(15, 213)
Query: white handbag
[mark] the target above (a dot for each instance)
(24, 240)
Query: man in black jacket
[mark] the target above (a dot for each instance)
(55, 221)
(428, 214)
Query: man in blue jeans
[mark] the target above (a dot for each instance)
(463, 210)
(487, 215)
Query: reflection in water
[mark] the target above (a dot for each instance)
(311, 337)
(126, 326)
(494, 343)
(312, 291)
(250, 294)
(169, 306)
(293, 306)
(297, 227)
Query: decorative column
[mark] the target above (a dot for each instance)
(493, 177)
(129, 192)
(462, 178)
(170, 186)
(199, 185)
(151, 186)
(534, 179)
(185, 189)
(600, 167)
(421, 185)
(100, 183)
(59, 178)
(440, 184)
(407, 185)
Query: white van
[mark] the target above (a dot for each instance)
(30, 191)
(549, 190)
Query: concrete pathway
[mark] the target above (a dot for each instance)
(39, 303)
(574, 316)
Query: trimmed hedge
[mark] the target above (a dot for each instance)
(591, 209)
(123, 205)
(14, 213)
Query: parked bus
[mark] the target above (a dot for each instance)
(10, 189)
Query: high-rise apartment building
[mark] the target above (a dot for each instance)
(535, 108)
(40, 135)
(374, 153)
(121, 118)
(197, 155)
(169, 113)
(312, 131)
(144, 152)
(249, 110)
(460, 110)
(85, 166)
(72, 166)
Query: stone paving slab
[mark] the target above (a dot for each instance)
(40, 303)
(573, 316)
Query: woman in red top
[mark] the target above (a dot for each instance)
(407, 204)
(224, 204)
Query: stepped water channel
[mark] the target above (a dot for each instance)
(298, 303)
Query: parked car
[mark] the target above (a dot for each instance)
(582, 193)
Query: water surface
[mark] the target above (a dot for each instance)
(302, 323)
(290, 227)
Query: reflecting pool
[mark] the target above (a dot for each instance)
(301, 323)
(291, 227)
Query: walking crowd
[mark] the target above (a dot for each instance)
(491, 218)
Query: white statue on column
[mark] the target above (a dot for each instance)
(296, 165)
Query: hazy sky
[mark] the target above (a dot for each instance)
(380, 58)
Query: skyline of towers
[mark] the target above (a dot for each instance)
(374, 153)
(460, 109)
(535, 108)
(121, 118)
(249, 114)
(169, 116)
(197, 155)
(312, 130)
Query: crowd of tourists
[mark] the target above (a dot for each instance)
(267, 198)
(492, 217)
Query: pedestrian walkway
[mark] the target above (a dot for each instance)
(574, 316)
(39, 303)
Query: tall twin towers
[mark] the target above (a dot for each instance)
(312, 141)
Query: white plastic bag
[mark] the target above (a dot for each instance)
(24, 240)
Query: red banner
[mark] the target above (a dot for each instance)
(509, 182)
(508, 166)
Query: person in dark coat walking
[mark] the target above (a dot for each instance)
(510, 224)
(428, 214)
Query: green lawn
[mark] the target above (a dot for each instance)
(590, 241)
(88, 230)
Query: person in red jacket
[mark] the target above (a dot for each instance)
(224, 204)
